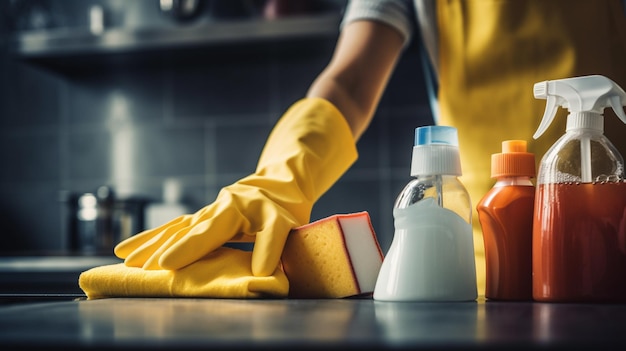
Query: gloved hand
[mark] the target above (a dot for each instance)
(307, 151)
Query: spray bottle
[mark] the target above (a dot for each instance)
(579, 228)
(506, 218)
(431, 257)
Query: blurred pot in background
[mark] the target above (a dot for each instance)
(181, 10)
(98, 221)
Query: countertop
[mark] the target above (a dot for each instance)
(210, 324)
(43, 308)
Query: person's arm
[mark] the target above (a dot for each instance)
(355, 78)
(310, 147)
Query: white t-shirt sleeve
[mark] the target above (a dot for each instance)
(395, 13)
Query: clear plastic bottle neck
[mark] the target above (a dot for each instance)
(444, 191)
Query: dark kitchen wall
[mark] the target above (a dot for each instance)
(201, 120)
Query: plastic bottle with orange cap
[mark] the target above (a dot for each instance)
(506, 218)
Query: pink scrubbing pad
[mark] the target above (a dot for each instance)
(334, 257)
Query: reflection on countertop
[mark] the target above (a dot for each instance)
(273, 324)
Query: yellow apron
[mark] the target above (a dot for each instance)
(491, 52)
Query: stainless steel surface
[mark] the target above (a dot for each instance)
(51, 264)
(68, 42)
(342, 323)
(28, 278)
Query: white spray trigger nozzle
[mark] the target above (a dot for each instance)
(616, 103)
(591, 94)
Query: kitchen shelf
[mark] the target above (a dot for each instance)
(68, 46)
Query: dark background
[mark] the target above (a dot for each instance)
(72, 123)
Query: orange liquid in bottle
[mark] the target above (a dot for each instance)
(506, 216)
(579, 243)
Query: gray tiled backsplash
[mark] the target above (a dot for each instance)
(89, 154)
(30, 216)
(204, 124)
(168, 151)
(29, 155)
(30, 96)
(107, 96)
(236, 87)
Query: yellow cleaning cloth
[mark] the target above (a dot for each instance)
(224, 273)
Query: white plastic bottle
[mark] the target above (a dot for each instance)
(431, 257)
(579, 228)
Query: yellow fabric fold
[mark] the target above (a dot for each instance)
(224, 273)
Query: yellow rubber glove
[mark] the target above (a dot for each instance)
(307, 151)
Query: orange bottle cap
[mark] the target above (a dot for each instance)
(513, 161)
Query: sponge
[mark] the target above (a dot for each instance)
(334, 257)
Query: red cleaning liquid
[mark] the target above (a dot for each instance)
(579, 243)
(506, 216)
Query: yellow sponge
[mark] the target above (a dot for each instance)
(334, 257)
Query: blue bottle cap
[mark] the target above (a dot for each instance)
(429, 135)
(436, 151)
